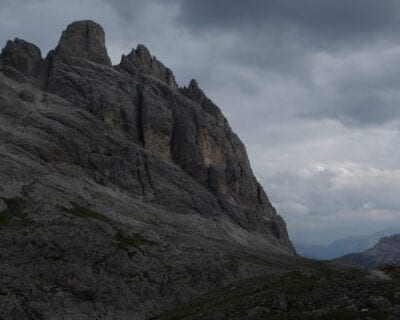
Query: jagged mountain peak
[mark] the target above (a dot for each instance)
(140, 61)
(124, 197)
(21, 59)
(85, 40)
(193, 84)
(139, 99)
(18, 44)
(193, 90)
(143, 53)
(115, 170)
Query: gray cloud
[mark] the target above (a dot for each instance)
(310, 86)
(286, 36)
(323, 21)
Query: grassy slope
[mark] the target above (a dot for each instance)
(320, 292)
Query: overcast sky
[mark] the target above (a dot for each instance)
(311, 87)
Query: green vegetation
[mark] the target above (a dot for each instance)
(27, 95)
(391, 270)
(123, 239)
(322, 293)
(15, 214)
(83, 212)
(132, 240)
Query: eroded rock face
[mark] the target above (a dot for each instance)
(139, 100)
(121, 175)
(139, 60)
(21, 60)
(84, 40)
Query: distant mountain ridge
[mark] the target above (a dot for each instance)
(386, 251)
(342, 247)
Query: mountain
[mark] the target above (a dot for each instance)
(121, 193)
(124, 196)
(386, 251)
(341, 247)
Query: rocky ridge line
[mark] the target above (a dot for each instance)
(385, 252)
(181, 126)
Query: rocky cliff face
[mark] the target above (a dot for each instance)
(111, 173)
(21, 60)
(139, 98)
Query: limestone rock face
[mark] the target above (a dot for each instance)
(132, 195)
(139, 100)
(21, 59)
(139, 60)
(84, 40)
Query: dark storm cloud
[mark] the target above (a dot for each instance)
(284, 36)
(323, 20)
